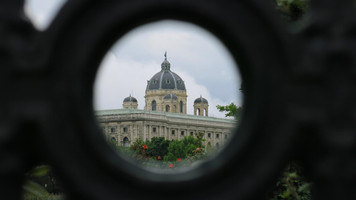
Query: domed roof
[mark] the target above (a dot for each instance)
(130, 99)
(165, 79)
(170, 96)
(201, 100)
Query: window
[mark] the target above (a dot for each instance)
(209, 135)
(217, 135)
(154, 106)
(225, 136)
(198, 111)
(154, 129)
(126, 142)
(167, 108)
(112, 130)
(182, 133)
(173, 132)
(181, 106)
(168, 81)
(125, 129)
(191, 133)
(155, 81)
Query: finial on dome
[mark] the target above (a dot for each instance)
(165, 65)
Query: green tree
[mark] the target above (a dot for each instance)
(175, 150)
(231, 109)
(183, 148)
(158, 146)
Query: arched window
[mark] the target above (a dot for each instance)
(181, 106)
(126, 142)
(204, 114)
(154, 106)
(167, 108)
(198, 111)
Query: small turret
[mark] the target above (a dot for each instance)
(201, 106)
(130, 102)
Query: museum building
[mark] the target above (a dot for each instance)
(164, 114)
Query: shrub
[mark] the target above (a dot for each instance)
(158, 146)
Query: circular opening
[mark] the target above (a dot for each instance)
(168, 96)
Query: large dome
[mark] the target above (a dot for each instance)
(165, 79)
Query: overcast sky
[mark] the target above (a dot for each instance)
(195, 55)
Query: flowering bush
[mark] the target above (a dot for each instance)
(183, 148)
(164, 154)
(158, 146)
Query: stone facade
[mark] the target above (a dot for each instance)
(157, 96)
(126, 125)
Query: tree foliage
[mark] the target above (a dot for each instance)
(231, 109)
(183, 148)
(158, 146)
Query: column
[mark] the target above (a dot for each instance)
(144, 131)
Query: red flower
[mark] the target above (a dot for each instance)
(144, 147)
(198, 149)
(159, 157)
(171, 165)
(179, 159)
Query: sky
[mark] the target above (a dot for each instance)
(197, 56)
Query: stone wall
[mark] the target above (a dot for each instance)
(133, 124)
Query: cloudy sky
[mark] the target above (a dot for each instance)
(195, 55)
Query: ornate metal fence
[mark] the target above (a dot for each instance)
(300, 104)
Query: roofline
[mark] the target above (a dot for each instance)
(167, 114)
